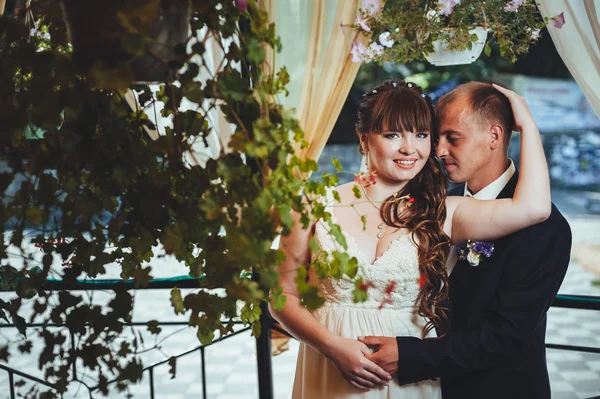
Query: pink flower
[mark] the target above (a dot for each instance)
(242, 5)
(513, 6)
(559, 20)
(389, 290)
(447, 6)
(390, 287)
(366, 179)
(363, 24)
(370, 7)
(358, 52)
(422, 281)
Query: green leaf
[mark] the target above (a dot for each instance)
(177, 301)
(256, 53)
(338, 235)
(142, 276)
(4, 353)
(311, 298)
(20, 324)
(363, 219)
(25, 347)
(359, 293)
(250, 313)
(356, 191)
(173, 366)
(337, 164)
(256, 329)
(206, 336)
(487, 49)
(278, 298)
(153, 327)
(124, 349)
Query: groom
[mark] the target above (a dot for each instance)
(495, 347)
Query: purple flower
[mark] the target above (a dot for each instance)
(475, 252)
(374, 50)
(513, 6)
(483, 248)
(358, 52)
(242, 5)
(370, 7)
(363, 24)
(447, 6)
(559, 20)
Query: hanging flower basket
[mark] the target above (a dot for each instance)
(443, 56)
(141, 37)
(445, 32)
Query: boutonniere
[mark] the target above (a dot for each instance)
(475, 252)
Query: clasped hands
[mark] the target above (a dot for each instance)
(366, 363)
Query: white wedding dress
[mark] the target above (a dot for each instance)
(316, 377)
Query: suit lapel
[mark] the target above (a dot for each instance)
(509, 190)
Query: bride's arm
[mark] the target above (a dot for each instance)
(470, 219)
(346, 354)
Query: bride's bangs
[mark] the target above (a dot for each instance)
(403, 111)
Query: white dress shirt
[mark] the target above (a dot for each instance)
(489, 192)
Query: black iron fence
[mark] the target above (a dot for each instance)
(263, 342)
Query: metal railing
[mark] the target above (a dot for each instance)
(150, 369)
(263, 342)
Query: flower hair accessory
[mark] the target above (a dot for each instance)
(405, 201)
(475, 252)
(365, 179)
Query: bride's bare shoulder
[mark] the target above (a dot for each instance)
(346, 192)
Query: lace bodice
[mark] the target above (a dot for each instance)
(398, 263)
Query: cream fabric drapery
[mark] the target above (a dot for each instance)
(316, 43)
(316, 53)
(578, 42)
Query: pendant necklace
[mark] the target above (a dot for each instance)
(380, 226)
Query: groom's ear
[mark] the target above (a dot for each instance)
(497, 136)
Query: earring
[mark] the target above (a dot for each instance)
(367, 162)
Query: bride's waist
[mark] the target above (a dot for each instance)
(368, 306)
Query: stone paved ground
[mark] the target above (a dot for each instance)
(231, 365)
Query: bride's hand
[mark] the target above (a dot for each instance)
(520, 109)
(348, 356)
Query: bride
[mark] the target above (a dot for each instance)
(401, 250)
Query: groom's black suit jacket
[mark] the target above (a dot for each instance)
(496, 344)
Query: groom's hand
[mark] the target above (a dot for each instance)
(386, 355)
(349, 357)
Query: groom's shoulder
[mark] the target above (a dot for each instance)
(555, 228)
(456, 190)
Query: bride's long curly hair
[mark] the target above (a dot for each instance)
(400, 107)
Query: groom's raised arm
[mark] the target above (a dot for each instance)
(528, 288)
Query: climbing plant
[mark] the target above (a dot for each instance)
(85, 186)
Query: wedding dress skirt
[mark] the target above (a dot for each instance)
(317, 377)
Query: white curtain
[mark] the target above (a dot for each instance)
(221, 130)
(578, 42)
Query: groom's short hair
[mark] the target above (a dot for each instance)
(487, 104)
